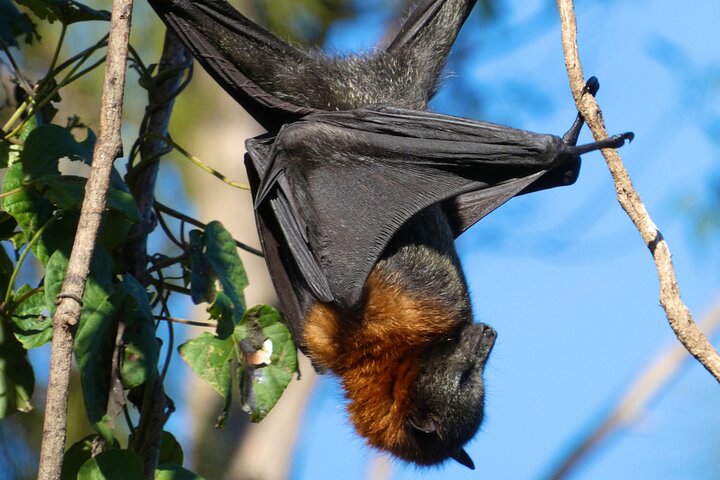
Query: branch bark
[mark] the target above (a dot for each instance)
(67, 314)
(677, 313)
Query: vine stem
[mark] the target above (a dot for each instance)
(175, 62)
(69, 303)
(677, 313)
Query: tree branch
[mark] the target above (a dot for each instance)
(67, 314)
(678, 315)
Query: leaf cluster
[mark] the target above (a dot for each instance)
(117, 347)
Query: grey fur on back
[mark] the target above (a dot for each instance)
(406, 76)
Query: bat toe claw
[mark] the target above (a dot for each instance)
(592, 86)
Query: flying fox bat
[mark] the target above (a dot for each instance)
(359, 193)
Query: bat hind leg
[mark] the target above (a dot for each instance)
(616, 141)
(571, 136)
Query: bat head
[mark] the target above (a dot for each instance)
(448, 396)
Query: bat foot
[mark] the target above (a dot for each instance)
(592, 86)
(571, 137)
(616, 141)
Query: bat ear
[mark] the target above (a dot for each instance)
(462, 457)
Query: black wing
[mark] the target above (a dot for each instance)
(278, 83)
(227, 45)
(337, 208)
(423, 17)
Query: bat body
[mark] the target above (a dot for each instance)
(359, 194)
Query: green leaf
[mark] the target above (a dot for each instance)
(95, 337)
(175, 472)
(44, 147)
(170, 450)
(261, 348)
(223, 312)
(17, 379)
(210, 358)
(67, 192)
(114, 230)
(202, 288)
(77, 455)
(222, 257)
(112, 465)
(47, 144)
(54, 276)
(141, 351)
(13, 24)
(40, 8)
(66, 11)
(269, 360)
(32, 325)
(94, 344)
(30, 209)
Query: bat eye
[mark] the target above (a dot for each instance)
(465, 376)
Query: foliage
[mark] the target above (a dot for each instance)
(116, 347)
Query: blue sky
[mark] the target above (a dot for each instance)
(562, 275)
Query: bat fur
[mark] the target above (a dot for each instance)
(407, 351)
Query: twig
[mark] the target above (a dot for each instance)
(646, 387)
(677, 313)
(185, 218)
(67, 314)
(156, 406)
(187, 322)
(16, 70)
(18, 265)
(195, 160)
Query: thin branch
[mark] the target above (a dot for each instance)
(67, 314)
(38, 103)
(678, 315)
(187, 322)
(185, 218)
(169, 351)
(21, 259)
(644, 389)
(156, 407)
(84, 55)
(162, 263)
(195, 160)
(169, 233)
(18, 73)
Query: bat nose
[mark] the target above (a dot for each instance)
(480, 337)
(488, 333)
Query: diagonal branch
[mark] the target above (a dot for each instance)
(67, 314)
(647, 386)
(677, 313)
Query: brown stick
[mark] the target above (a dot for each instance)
(677, 313)
(67, 314)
